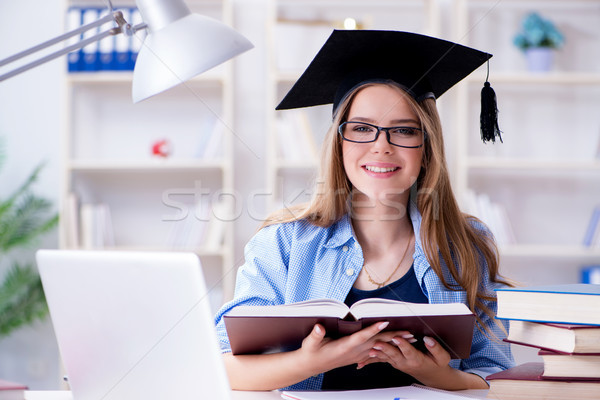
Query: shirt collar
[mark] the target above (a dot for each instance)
(341, 232)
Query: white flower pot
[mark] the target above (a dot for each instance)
(539, 59)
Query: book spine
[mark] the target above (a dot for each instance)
(74, 21)
(591, 274)
(592, 228)
(91, 51)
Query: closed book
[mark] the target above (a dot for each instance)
(574, 366)
(567, 338)
(259, 329)
(11, 390)
(576, 303)
(525, 381)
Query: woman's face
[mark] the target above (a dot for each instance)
(379, 169)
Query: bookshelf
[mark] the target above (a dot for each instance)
(546, 174)
(181, 202)
(295, 31)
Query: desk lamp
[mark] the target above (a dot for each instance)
(179, 45)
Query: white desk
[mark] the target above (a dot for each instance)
(66, 395)
(236, 395)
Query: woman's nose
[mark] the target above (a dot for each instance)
(381, 144)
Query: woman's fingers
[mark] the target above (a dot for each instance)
(438, 353)
(370, 332)
(315, 337)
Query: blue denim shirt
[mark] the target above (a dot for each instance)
(297, 261)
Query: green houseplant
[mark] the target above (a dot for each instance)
(24, 217)
(538, 39)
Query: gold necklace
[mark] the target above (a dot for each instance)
(382, 284)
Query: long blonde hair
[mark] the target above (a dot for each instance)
(446, 233)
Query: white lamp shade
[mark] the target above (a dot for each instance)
(181, 50)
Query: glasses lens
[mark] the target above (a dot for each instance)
(400, 135)
(406, 136)
(358, 132)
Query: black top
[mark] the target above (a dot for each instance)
(377, 375)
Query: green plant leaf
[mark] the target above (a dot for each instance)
(22, 299)
(23, 218)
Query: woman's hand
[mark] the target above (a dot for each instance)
(322, 354)
(431, 368)
(318, 354)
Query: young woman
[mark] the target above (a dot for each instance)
(384, 223)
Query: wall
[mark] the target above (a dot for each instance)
(30, 120)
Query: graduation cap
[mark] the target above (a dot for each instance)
(426, 67)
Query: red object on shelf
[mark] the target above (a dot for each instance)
(161, 148)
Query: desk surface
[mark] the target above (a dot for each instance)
(235, 395)
(66, 395)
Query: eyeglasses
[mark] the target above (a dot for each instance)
(401, 136)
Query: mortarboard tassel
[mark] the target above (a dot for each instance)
(489, 113)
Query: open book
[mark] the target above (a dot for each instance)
(260, 329)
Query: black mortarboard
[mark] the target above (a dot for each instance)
(425, 66)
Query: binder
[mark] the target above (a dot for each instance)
(106, 46)
(91, 51)
(74, 20)
(122, 57)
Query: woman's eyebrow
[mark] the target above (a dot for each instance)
(393, 122)
(405, 121)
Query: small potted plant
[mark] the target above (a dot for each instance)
(538, 40)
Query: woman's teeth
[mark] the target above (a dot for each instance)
(380, 170)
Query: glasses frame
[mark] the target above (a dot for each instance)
(379, 129)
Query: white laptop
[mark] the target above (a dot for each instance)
(133, 325)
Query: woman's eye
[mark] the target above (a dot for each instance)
(404, 131)
(363, 128)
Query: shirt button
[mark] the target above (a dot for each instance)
(345, 248)
(350, 272)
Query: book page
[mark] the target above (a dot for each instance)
(391, 308)
(309, 308)
(404, 393)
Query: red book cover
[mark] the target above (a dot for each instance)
(12, 390)
(550, 352)
(545, 348)
(570, 326)
(526, 381)
(253, 330)
(532, 371)
(7, 385)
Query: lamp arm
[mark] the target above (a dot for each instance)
(117, 16)
(139, 27)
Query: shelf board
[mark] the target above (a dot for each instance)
(104, 77)
(201, 252)
(144, 165)
(297, 165)
(494, 163)
(566, 78)
(549, 251)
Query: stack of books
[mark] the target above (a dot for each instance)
(563, 322)
(12, 390)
